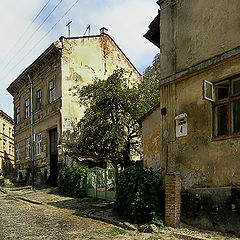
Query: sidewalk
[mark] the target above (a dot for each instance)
(100, 210)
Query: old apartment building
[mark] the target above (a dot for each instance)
(193, 136)
(6, 144)
(43, 89)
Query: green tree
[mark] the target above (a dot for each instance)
(109, 129)
(149, 87)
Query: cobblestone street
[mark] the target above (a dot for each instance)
(47, 215)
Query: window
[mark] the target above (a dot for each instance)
(38, 144)
(3, 128)
(51, 91)
(27, 147)
(27, 108)
(9, 150)
(17, 114)
(225, 96)
(9, 132)
(39, 99)
(17, 152)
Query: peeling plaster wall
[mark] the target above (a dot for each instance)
(84, 59)
(202, 160)
(192, 31)
(151, 141)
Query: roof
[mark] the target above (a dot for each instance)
(51, 50)
(142, 118)
(6, 117)
(153, 34)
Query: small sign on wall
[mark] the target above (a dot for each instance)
(181, 125)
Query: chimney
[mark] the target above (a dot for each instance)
(103, 30)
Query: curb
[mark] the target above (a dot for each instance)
(124, 225)
(19, 197)
(187, 237)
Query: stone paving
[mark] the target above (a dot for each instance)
(43, 214)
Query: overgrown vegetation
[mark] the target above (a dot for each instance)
(72, 181)
(109, 128)
(140, 195)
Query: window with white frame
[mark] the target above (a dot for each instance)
(51, 91)
(9, 132)
(27, 148)
(38, 144)
(17, 114)
(9, 149)
(17, 152)
(3, 128)
(225, 98)
(27, 108)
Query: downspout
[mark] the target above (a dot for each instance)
(32, 127)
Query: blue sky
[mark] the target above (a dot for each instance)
(21, 42)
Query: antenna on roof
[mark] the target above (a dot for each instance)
(88, 29)
(69, 28)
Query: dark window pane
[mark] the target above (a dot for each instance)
(236, 117)
(222, 120)
(221, 90)
(235, 86)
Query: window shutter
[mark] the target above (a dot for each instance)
(208, 91)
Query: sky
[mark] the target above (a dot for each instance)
(28, 27)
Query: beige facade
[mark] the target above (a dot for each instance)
(6, 144)
(73, 61)
(199, 123)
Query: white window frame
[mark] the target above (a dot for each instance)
(207, 84)
(17, 151)
(27, 108)
(27, 150)
(38, 144)
(51, 90)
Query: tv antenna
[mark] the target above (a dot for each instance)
(69, 28)
(88, 29)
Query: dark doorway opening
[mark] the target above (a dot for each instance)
(53, 158)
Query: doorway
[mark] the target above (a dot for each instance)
(53, 158)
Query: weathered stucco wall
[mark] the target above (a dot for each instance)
(202, 160)
(152, 140)
(84, 59)
(192, 31)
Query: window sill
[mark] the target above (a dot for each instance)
(225, 137)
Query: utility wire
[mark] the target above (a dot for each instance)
(24, 44)
(20, 38)
(42, 37)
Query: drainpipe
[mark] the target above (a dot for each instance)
(32, 128)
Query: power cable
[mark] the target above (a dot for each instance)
(24, 44)
(43, 37)
(20, 38)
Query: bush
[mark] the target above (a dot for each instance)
(72, 181)
(140, 195)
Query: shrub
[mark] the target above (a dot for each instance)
(72, 181)
(140, 195)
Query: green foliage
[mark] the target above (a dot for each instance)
(149, 87)
(72, 181)
(140, 195)
(109, 128)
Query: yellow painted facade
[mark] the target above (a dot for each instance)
(70, 62)
(6, 144)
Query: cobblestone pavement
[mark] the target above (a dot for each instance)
(50, 216)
